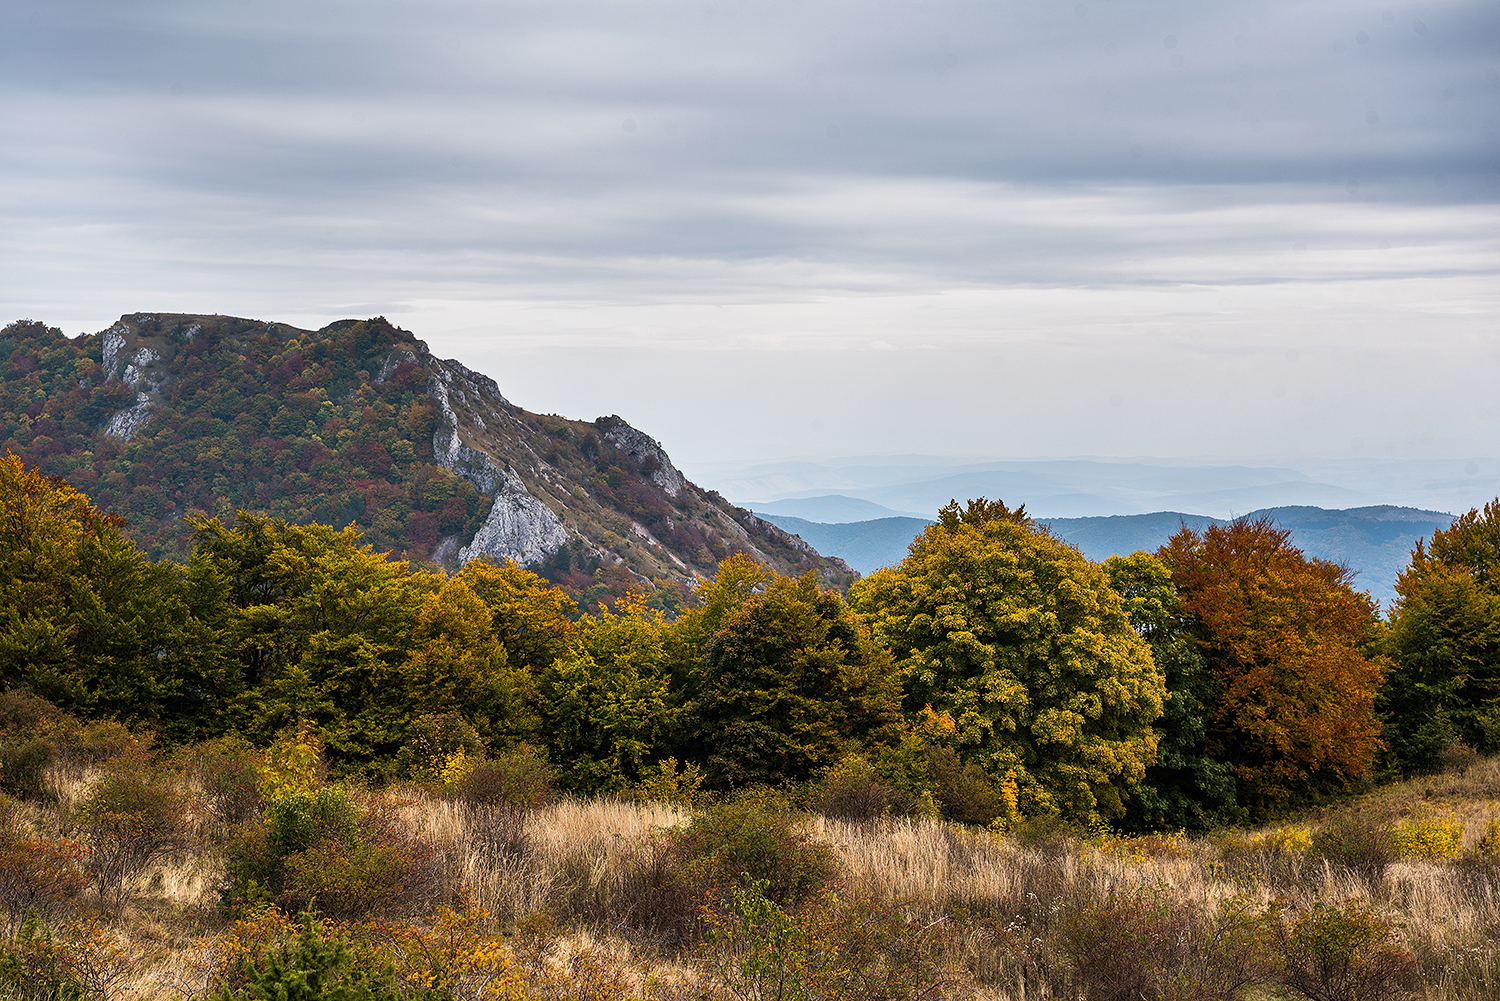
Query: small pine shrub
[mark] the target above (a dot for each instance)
(310, 967)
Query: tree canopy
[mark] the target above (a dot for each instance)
(1285, 637)
(1445, 644)
(1022, 641)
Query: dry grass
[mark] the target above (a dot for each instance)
(573, 858)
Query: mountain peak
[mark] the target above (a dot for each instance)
(167, 414)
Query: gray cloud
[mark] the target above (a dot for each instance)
(1095, 180)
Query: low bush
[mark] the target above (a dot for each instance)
(322, 849)
(519, 779)
(132, 819)
(38, 876)
(83, 961)
(854, 791)
(860, 950)
(1345, 953)
(1361, 843)
(1429, 837)
(965, 792)
(754, 836)
(1149, 944)
(432, 742)
(227, 771)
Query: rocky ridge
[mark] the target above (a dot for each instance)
(576, 500)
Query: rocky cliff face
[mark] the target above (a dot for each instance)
(580, 501)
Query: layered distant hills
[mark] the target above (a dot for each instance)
(1375, 541)
(164, 416)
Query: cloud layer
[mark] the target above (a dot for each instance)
(941, 216)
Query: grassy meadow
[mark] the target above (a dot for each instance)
(1393, 894)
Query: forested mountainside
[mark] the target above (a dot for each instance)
(163, 418)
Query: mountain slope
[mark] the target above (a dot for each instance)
(165, 415)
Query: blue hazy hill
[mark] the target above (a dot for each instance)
(1375, 541)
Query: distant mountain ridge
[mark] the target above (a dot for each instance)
(1375, 541)
(164, 415)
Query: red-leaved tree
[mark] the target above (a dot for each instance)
(1285, 635)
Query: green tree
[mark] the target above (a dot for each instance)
(322, 628)
(1444, 640)
(1285, 638)
(87, 622)
(1186, 787)
(605, 703)
(1021, 640)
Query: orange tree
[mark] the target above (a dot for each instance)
(1445, 644)
(1023, 643)
(1285, 638)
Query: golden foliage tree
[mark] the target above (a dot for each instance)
(1022, 642)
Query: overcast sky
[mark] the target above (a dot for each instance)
(772, 228)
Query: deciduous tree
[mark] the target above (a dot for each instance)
(1022, 641)
(1444, 685)
(1285, 637)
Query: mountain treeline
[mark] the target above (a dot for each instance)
(996, 675)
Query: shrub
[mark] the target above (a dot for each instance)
(1148, 944)
(37, 875)
(25, 745)
(322, 849)
(965, 792)
(131, 821)
(1345, 953)
(292, 764)
(1429, 837)
(1358, 842)
(84, 961)
(753, 836)
(519, 779)
(228, 773)
(853, 790)
(432, 741)
(309, 967)
(861, 950)
(666, 784)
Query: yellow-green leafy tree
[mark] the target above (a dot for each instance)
(88, 623)
(1444, 685)
(790, 682)
(1023, 643)
(605, 702)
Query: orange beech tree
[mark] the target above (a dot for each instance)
(1285, 635)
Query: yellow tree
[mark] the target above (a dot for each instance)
(1023, 643)
(87, 622)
